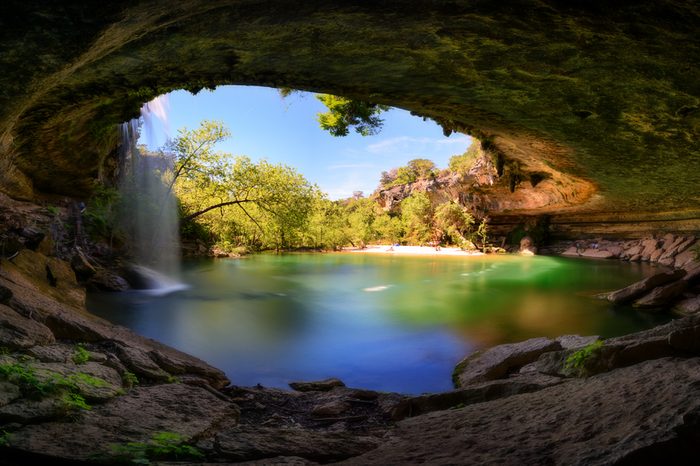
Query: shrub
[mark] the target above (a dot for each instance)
(81, 355)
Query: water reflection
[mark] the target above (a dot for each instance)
(387, 323)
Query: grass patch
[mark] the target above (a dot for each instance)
(578, 362)
(130, 379)
(161, 446)
(81, 355)
(37, 387)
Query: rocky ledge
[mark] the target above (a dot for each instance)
(676, 288)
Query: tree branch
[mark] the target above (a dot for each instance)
(215, 206)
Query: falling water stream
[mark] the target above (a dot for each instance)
(151, 218)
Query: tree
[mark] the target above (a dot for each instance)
(256, 203)
(344, 114)
(464, 162)
(422, 168)
(455, 223)
(417, 218)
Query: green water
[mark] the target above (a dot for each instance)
(379, 322)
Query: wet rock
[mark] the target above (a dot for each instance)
(642, 287)
(134, 417)
(497, 362)
(572, 252)
(18, 332)
(662, 296)
(250, 443)
(688, 306)
(317, 386)
(617, 417)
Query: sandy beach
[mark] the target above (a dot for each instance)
(412, 250)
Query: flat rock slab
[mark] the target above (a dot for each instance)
(19, 332)
(134, 417)
(245, 443)
(632, 416)
(317, 386)
(497, 362)
(688, 306)
(637, 290)
(661, 296)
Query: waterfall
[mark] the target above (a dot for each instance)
(150, 217)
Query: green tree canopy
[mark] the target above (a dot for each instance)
(344, 114)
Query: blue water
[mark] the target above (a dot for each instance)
(380, 322)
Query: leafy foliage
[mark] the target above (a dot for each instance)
(38, 386)
(161, 446)
(577, 363)
(81, 355)
(130, 379)
(464, 162)
(344, 114)
(258, 205)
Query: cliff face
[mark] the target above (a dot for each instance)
(602, 98)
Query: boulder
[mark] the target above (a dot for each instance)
(527, 246)
(497, 362)
(680, 245)
(687, 307)
(642, 287)
(685, 257)
(662, 296)
(572, 251)
(19, 332)
(654, 257)
(317, 386)
(104, 280)
(331, 409)
(597, 254)
(139, 362)
(648, 247)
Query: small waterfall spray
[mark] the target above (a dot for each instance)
(151, 219)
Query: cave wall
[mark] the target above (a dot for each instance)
(604, 96)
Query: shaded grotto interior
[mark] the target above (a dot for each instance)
(603, 99)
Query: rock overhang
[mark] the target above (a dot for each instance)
(605, 98)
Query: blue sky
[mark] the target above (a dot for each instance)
(263, 125)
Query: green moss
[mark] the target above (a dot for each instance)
(81, 355)
(161, 446)
(579, 362)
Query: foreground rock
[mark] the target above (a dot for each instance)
(644, 414)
